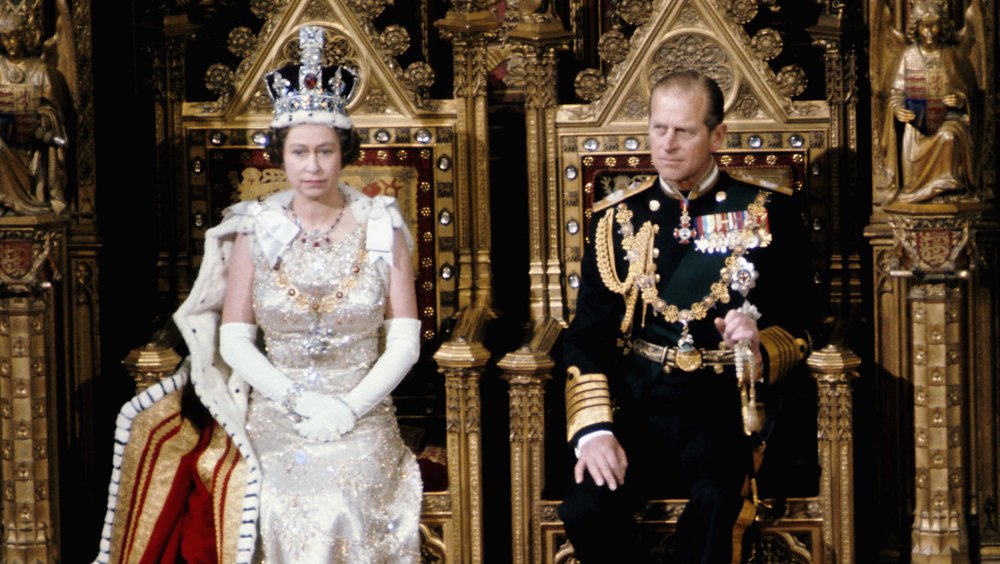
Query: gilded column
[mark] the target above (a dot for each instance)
(933, 240)
(526, 370)
(470, 25)
(938, 527)
(34, 258)
(463, 360)
(833, 368)
(538, 37)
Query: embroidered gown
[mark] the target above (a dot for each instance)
(356, 499)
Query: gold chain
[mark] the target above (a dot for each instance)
(642, 268)
(330, 301)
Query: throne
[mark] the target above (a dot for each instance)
(409, 150)
(776, 142)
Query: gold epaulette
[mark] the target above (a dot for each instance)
(762, 184)
(621, 195)
(588, 401)
(784, 351)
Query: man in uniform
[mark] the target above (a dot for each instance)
(663, 315)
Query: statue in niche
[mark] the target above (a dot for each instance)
(931, 130)
(35, 111)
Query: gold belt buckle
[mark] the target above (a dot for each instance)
(688, 360)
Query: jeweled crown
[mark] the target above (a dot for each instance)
(309, 92)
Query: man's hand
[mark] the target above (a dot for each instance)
(605, 459)
(738, 327)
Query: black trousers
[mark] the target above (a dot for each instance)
(683, 438)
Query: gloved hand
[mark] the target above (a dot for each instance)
(326, 417)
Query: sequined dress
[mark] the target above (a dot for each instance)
(356, 499)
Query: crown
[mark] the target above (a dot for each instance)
(310, 92)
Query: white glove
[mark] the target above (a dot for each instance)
(402, 349)
(327, 418)
(237, 345)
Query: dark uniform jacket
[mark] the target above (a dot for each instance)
(601, 371)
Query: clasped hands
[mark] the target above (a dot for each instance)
(906, 115)
(325, 418)
(604, 458)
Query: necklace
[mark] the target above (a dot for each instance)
(328, 302)
(316, 234)
(738, 273)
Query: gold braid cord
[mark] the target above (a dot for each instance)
(783, 351)
(588, 400)
(754, 235)
(637, 252)
(638, 248)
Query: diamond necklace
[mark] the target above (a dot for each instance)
(317, 234)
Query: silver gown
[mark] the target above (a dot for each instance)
(356, 499)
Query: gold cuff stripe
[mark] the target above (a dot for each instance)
(783, 350)
(584, 396)
(584, 406)
(588, 400)
(587, 388)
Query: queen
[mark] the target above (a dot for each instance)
(300, 457)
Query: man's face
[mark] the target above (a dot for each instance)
(680, 142)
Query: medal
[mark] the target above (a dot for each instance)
(688, 357)
(684, 232)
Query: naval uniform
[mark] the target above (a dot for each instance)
(633, 368)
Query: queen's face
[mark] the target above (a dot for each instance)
(311, 158)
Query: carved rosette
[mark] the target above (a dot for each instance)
(694, 51)
(767, 44)
(318, 10)
(938, 390)
(741, 11)
(241, 41)
(590, 84)
(264, 9)
(635, 12)
(395, 39)
(688, 16)
(219, 79)
(791, 80)
(613, 46)
(635, 108)
(746, 105)
(367, 9)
